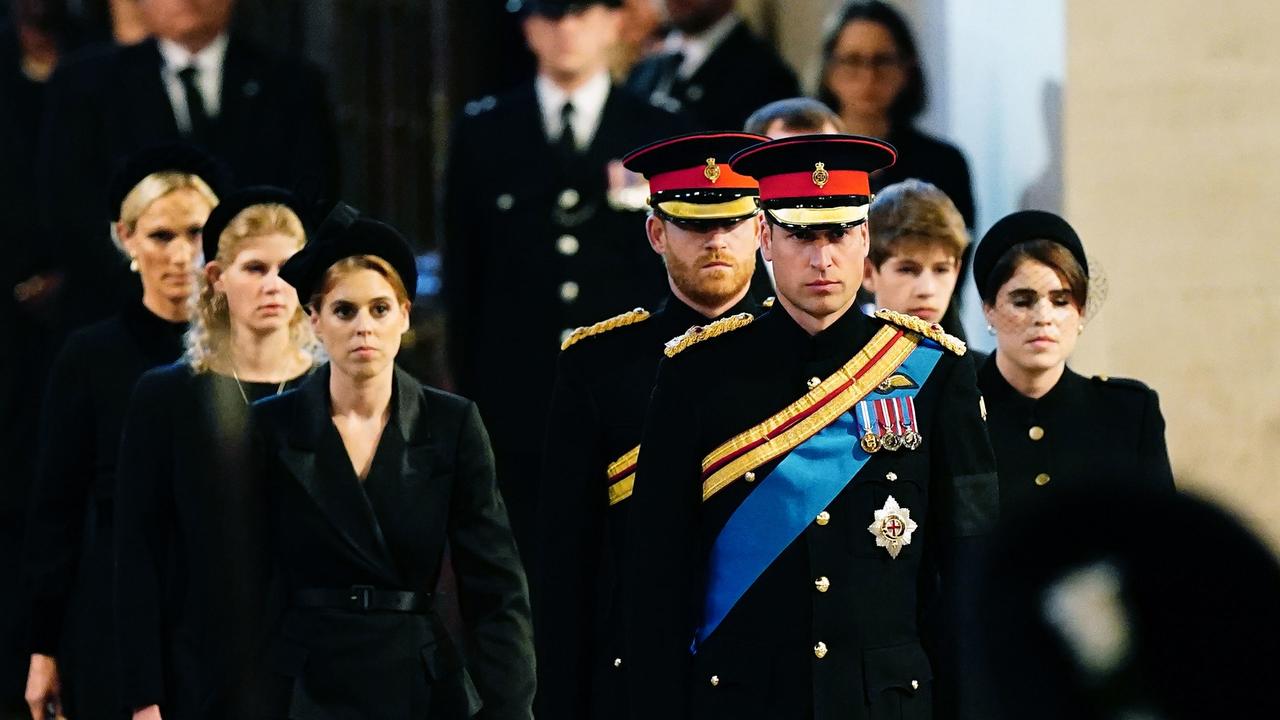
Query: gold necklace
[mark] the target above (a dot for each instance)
(234, 374)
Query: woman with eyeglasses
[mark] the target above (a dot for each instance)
(873, 78)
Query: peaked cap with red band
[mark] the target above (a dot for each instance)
(816, 180)
(690, 179)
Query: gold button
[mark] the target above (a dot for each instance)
(617, 662)
(568, 198)
(820, 650)
(822, 583)
(715, 680)
(1036, 432)
(749, 476)
(567, 245)
(891, 477)
(1042, 479)
(915, 684)
(814, 382)
(569, 291)
(823, 518)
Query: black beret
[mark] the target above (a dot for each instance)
(238, 201)
(1020, 227)
(342, 235)
(556, 8)
(170, 157)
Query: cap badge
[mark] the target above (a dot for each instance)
(711, 171)
(893, 527)
(820, 174)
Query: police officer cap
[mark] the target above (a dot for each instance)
(345, 234)
(1017, 228)
(815, 181)
(170, 157)
(238, 201)
(556, 9)
(690, 179)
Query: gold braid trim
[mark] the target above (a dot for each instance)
(622, 476)
(604, 326)
(933, 331)
(698, 333)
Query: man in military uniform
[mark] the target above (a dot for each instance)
(705, 223)
(810, 482)
(543, 230)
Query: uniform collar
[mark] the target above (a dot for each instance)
(843, 338)
(697, 48)
(996, 388)
(676, 313)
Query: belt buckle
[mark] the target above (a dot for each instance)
(361, 597)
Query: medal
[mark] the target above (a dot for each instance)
(911, 438)
(893, 527)
(889, 440)
(870, 442)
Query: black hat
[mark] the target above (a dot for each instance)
(811, 181)
(1017, 228)
(556, 9)
(238, 201)
(170, 157)
(690, 179)
(342, 235)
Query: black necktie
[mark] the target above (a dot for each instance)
(671, 73)
(198, 116)
(568, 143)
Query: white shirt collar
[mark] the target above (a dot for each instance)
(697, 48)
(588, 105)
(208, 61)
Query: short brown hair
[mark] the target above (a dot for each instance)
(1048, 253)
(348, 265)
(798, 114)
(918, 213)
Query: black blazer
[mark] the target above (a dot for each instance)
(431, 483)
(876, 617)
(275, 126)
(934, 161)
(191, 577)
(740, 75)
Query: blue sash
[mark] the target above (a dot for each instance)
(785, 502)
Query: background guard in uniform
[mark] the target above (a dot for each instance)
(810, 482)
(705, 223)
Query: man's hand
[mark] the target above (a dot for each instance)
(44, 689)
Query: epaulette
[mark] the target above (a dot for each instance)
(484, 104)
(604, 326)
(698, 333)
(933, 331)
(768, 302)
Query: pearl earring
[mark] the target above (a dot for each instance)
(990, 330)
(133, 264)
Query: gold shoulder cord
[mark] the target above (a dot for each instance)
(933, 331)
(604, 326)
(698, 333)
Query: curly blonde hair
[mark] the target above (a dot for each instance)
(208, 337)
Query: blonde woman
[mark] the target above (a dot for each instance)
(161, 198)
(191, 576)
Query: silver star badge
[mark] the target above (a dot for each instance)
(893, 527)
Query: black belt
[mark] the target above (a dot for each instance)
(363, 598)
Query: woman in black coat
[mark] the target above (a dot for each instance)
(191, 579)
(160, 202)
(370, 475)
(1053, 430)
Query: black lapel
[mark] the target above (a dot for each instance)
(413, 424)
(149, 112)
(720, 62)
(242, 88)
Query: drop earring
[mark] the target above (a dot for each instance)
(133, 264)
(990, 330)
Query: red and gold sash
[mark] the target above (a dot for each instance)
(622, 476)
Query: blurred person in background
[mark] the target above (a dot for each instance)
(640, 36)
(712, 66)
(873, 77)
(1055, 431)
(191, 574)
(162, 198)
(267, 115)
(543, 228)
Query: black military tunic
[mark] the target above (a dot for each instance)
(834, 627)
(534, 248)
(1082, 433)
(597, 412)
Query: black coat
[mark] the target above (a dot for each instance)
(935, 161)
(431, 483)
(507, 210)
(1085, 433)
(874, 618)
(191, 577)
(742, 74)
(275, 126)
(68, 556)
(597, 412)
